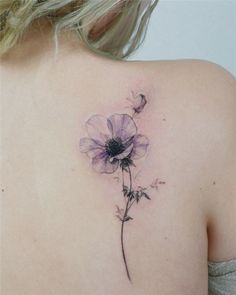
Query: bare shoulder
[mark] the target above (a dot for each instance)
(197, 79)
(208, 87)
(215, 87)
(207, 90)
(199, 99)
(207, 93)
(212, 78)
(194, 69)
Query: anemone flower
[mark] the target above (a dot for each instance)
(112, 142)
(115, 142)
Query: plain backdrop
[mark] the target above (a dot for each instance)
(198, 29)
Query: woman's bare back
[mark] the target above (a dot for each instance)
(60, 233)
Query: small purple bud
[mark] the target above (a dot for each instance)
(138, 102)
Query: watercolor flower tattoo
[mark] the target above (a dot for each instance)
(113, 144)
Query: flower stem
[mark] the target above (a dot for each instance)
(130, 179)
(131, 203)
(122, 241)
(123, 181)
(128, 206)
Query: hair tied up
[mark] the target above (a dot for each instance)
(114, 28)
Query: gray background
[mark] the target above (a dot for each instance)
(199, 29)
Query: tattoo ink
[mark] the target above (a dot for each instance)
(114, 144)
(155, 183)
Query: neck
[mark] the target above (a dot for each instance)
(39, 43)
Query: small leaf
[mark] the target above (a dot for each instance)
(118, 216)
(124, 167)
(125, 190)
(130, 195)
(132, 164)
(145, 196)
(141, 188)
(127, 218)
(136, 195)
(119, 210)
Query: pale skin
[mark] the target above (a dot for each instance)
(58, 226)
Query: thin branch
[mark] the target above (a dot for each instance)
(130, 179)
(122, 241)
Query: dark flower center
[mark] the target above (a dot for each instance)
(114, 147)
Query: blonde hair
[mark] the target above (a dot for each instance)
(118, 39)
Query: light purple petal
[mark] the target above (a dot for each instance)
(140, 143)
(97, 129)
(140, 103)
(102, 164)
(90, 147)
(125, 153)
(121, 126)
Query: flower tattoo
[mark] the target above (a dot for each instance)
(112, 141)
(138, 102)
(114, 144)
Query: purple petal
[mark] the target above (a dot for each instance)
(102, 164)
(140, 143)
(121, 126)
(97, 129)
(125, 153)
(90, 147)
(140, 103)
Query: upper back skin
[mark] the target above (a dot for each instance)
(60, 233)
